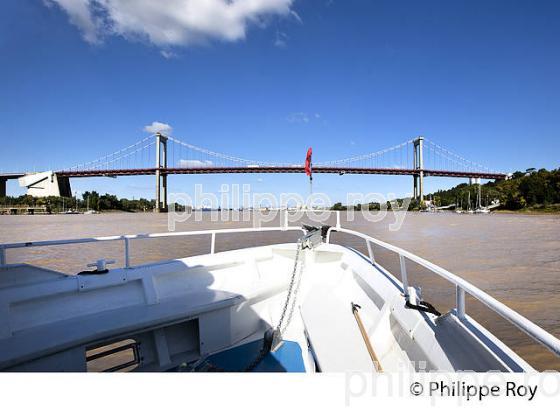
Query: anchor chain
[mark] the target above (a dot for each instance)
(291, 297)
(271, 340)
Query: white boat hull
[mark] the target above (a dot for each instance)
(181, 314)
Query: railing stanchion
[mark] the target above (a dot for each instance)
(2, 256)
(126, 253)
(213, 243)
(404, 275)
(370, 252)
(337, 219)
(460, 296)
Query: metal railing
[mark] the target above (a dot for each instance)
(126, 239)
(462, 286)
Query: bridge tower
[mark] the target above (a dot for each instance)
(161, 178)
(419, 165)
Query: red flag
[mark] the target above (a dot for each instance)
(308, 162)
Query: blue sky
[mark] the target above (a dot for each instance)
(478, 77)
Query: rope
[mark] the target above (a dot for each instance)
(423, 307)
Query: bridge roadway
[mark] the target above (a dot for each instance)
(279, 170)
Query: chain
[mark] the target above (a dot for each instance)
(262, 354)
(284, 321)
(290, 288)
(294, 295)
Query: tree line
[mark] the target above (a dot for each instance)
(90, 200)
(532, 189)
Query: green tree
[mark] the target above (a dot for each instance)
(91, 198)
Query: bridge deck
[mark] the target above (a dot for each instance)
(279, 170)
(11, 175)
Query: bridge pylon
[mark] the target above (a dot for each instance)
(161, 177)
(419, 166)
(3, 187)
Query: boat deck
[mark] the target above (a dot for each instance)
(288, 358)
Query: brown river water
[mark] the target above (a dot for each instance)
(515, 258)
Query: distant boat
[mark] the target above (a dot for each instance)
(469, 210)
(459, 209)
(484, 209)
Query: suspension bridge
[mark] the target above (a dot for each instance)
(162, 155)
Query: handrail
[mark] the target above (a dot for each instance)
(127, 238)
(531, 329)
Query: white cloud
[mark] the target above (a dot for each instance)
(302, 117)
(281, 39)
(80, 14)
(158, 127)
(194, 163)
(296, 17)
(172, 22)
(168, 55)
(298, 117)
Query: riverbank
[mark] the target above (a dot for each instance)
(536, 210)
